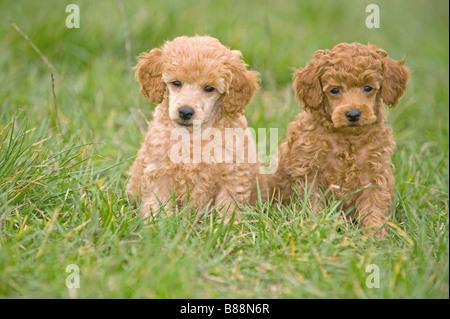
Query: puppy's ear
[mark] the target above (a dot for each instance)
(306, 84)
(395, 77)
(243, 83)
(149, 73)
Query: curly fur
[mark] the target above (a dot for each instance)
(353, 160)
(195, 62)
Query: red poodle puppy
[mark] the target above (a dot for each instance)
(341, 143)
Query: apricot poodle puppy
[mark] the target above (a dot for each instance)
(202, 88)
(341, 143)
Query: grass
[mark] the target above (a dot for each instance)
(64, 155)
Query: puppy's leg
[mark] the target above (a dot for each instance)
(136, 171)
(235, 189)
(224, 202)
(155, 193)
(279, 183)
(371, 208)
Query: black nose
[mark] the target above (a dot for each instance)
(185, 112)
(353, 115)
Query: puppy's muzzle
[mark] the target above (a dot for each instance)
(353, 115)
(185, 113)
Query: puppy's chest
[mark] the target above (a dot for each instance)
(348, 162)
(345, 154)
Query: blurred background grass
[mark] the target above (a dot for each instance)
(99, 103)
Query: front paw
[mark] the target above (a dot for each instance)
(374, 224)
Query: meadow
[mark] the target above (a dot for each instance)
(72, 119)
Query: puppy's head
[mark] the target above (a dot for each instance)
(349, 83)
(200, 77)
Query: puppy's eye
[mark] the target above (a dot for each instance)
(208, 89)
(335, 91)
(368, 88)
(176, 83)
